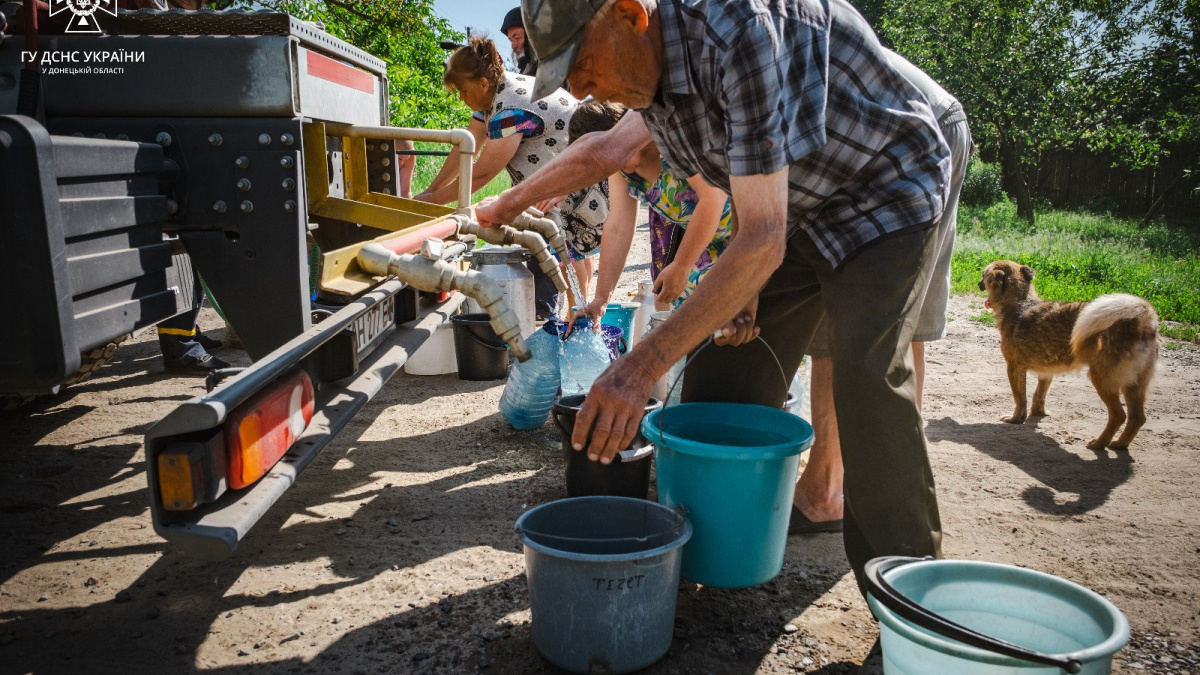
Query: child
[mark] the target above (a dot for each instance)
(689, 219)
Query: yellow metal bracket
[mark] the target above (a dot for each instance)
(340, 273)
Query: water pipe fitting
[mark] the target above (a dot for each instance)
(504, 235)
(438, 275)
(548, 228)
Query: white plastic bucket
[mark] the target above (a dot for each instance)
(436, 355)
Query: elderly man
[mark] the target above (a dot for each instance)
(837, 174)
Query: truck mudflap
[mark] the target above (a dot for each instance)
(195, 434)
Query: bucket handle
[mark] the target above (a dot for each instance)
(914, 613)
(662, 417)
(627, 455)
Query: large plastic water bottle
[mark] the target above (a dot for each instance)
(532, 385)
(584, 357)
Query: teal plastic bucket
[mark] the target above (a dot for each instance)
(731, 469)
(620, 314)
(980, 618)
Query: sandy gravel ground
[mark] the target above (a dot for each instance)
(396, 554)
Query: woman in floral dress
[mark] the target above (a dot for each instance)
(689, 219)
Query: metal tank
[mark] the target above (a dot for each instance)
(506, 265)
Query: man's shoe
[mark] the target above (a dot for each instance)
(800, 524)
(202, 365)
(873, 664)
(209, 344)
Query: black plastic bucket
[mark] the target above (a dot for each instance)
(481, 354)
(627, 476)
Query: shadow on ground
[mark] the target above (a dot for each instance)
(1070, 484)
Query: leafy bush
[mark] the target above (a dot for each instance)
(1078, 256)
(982, 184)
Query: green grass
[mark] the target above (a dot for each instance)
(985, 317)
(1078, 256)
(427, 168)
(1184, 332)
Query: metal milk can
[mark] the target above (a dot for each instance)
(506, 266)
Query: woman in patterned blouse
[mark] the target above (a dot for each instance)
(523, 135)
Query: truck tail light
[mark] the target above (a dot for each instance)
(180, 480)
(261, 430)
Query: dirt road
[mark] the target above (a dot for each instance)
(396, 553)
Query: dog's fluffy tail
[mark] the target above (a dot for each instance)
(1102, 313)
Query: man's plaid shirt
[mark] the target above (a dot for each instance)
(752, 86)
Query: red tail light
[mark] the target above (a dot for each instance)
(262, 429)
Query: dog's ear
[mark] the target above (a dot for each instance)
(1027, 272)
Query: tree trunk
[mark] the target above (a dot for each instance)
(1010, 159)
(1159, 202)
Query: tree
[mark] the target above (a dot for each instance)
(1011, 64)
(406, 34)
(1039, 75)
(1155, 90)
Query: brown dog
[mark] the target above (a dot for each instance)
(1116, 335)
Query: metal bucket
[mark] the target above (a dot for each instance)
(506, 265)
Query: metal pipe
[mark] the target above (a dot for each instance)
(548, 228)
(461, 139)
(504, 235)
(456, 249)
(439, 275)
(466, 163)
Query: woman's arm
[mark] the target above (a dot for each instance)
(495, 155)
(701, 229)
(449, 170)
(618, 235)
(585, 162)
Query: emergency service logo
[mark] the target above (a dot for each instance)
(83, 14)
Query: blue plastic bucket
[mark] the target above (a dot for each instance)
(980, 618)
(603, 576)
(731, 468)
(620, 314)
(614, 339)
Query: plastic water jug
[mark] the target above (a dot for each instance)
(584, 357)
(641, 318)
(532, 385)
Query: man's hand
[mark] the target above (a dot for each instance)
(671, 282)
(495, 211)
(741, 329)
(613, 409)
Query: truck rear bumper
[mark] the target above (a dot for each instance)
(213, 530)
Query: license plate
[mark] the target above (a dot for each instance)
(371, 327)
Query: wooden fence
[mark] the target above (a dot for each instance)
(1075, 179)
